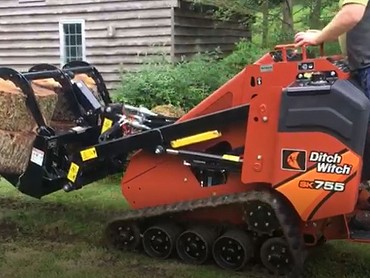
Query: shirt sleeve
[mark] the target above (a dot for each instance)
(345, 2)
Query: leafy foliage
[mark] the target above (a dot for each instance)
(186, 83)
(181, 85)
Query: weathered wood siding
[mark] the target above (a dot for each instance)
(196, 31)
(119, 34)
(29, 32)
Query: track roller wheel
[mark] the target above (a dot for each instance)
(276, 257)
(123, 235)
(261, 218)
(159, 240)
(194, 246)
(233, 250)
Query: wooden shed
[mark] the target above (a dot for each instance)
(110, 34)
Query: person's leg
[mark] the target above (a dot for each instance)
(361, 220)
(365, 174)
(364, 80)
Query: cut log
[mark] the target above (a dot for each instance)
(15, 115)
(48, 100)
(90, 83)
(48, 83)
(15, 151)
(169, 111)
(62, 111)
(17, 124)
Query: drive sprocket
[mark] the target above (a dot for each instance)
(261, 218)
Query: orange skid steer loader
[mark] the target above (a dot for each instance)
(267, 166)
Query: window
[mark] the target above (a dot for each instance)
(72, 41)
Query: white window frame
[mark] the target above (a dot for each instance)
(31, 1)
(62, 41)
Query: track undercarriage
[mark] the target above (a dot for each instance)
(264, 230)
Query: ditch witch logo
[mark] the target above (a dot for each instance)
(296, 160)
(327, 163)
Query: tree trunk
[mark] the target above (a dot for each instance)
(287, 9)
(315, 22)
(265, 23)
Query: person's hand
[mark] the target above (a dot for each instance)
(309, 37)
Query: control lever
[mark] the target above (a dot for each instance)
(318, 78)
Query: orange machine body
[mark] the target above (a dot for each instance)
(288, 162)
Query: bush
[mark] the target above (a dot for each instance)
(186, 83)
(245, 53)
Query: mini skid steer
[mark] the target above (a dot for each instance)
(264, 168)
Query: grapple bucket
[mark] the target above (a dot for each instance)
(45, 101)
(54, 117)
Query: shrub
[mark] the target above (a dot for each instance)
(185, 83)
(245, 53)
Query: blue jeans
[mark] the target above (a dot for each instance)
(364, 79)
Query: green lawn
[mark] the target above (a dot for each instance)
(60, 236)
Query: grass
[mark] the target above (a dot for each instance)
(60, 236)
